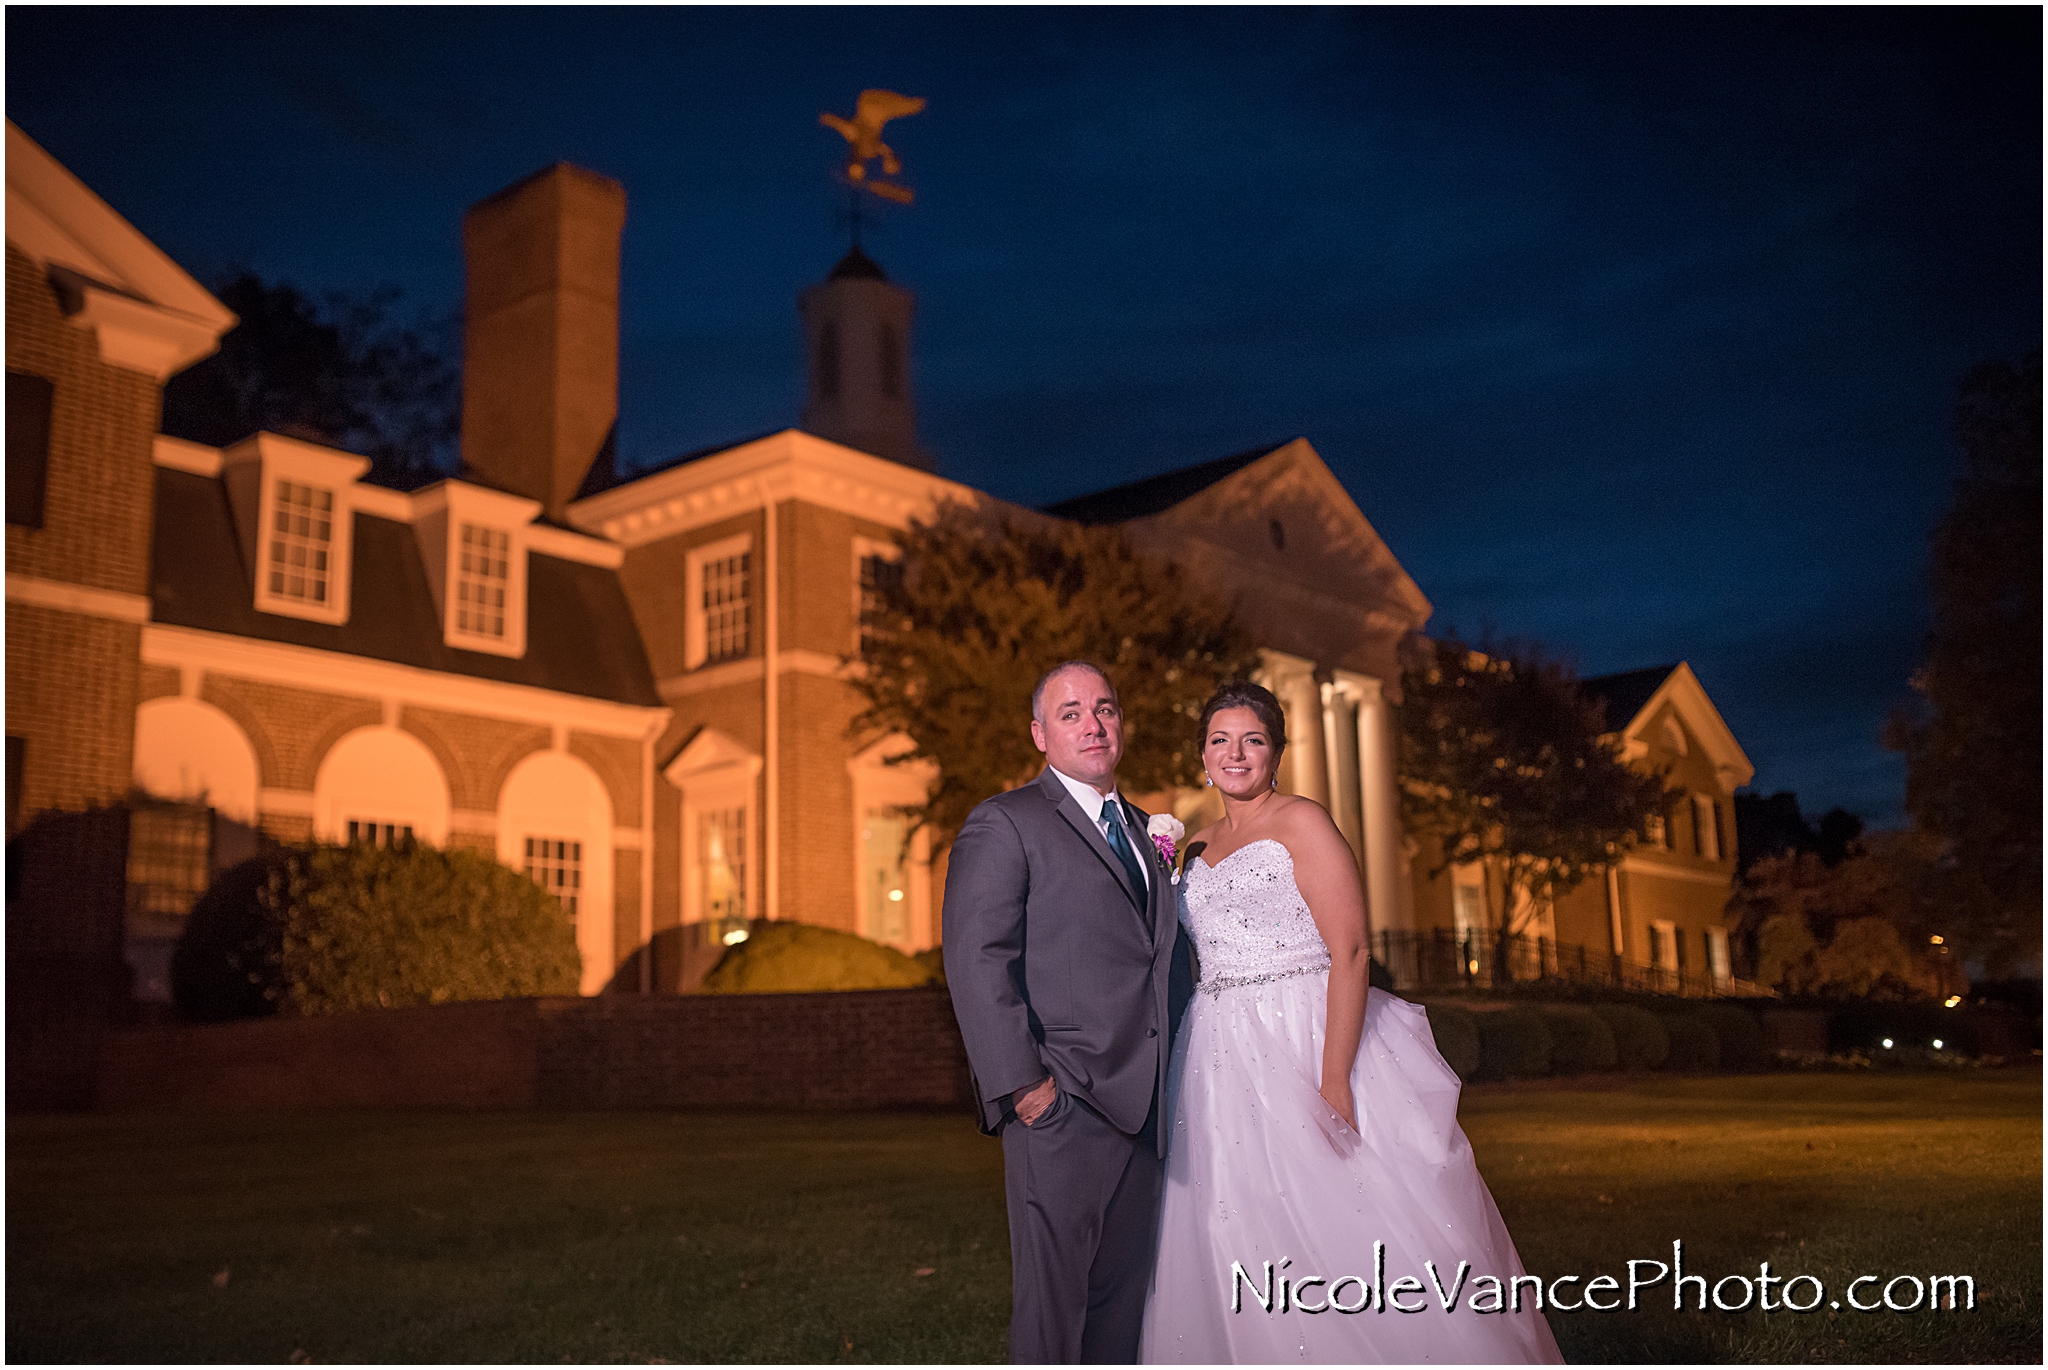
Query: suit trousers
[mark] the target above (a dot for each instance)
(1083, 1201)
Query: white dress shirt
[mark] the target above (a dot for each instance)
(1091, 800)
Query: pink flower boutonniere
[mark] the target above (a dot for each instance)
(1166, 832)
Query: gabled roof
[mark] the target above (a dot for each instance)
(1154, 494)
(1626, 692)
(581, 638)
(605, 473)
(150, 314)
(1681, 689)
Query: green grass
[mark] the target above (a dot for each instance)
(643, 1237)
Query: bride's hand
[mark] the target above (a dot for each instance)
(1339, 1098)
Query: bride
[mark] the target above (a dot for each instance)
(1316, 1162)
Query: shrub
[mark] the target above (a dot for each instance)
(1457, 1037)
(326, 929)
(1743, 1046)
(1694, 1043)
(933, 959)
(1580, 1042)
(796, 958)
(1640, 1042)
(1514, 1043)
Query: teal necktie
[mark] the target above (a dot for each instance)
(1120, 843)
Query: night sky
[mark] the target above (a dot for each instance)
(1634, 333)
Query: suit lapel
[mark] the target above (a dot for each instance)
(1084, 825)
(1155, 865)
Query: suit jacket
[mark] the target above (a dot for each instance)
(1056, 966)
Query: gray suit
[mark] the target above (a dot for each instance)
(1057, 967)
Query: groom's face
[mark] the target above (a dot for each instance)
(1080, 728)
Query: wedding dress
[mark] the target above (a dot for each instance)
(1262, 1170)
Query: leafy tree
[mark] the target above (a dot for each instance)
(347, 375)
(1774, 826)
(326, 929)
(1814, 928)
(986, 603)
(1973, 746)
(1504, 762)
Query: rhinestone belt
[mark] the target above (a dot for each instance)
(1217, 982)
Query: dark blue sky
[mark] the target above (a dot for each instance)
(1634, 332)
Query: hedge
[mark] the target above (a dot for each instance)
(1640, 1041)
(1580, 1042)
(797, 958)
(1743, 1046)
(1457, 1037)
(1514, 1043)
(1694, 1043)
(331, 929)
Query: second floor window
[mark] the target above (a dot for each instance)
(1706, 826)
(483, 574)
(727, 607)
(301, 542)
(880, 575)
(378, 834)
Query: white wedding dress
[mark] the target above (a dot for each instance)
(1260, 1168)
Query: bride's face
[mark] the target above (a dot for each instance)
(1238, 754)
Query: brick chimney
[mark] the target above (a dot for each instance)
(540, 382)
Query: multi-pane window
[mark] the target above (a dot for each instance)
(482, 577)
(556, 865)
(727, 606)
(880, 575)
(301, 542)
(884, 840)
(378, 834)
(169, 853)
(1653, 830)
(722, 869)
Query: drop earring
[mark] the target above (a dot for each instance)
(1206, 781)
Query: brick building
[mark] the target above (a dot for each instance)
(635, 689)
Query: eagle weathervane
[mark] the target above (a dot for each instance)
(863, 134)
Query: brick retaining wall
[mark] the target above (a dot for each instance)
(860, 1049)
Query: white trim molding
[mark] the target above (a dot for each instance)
(77, 599)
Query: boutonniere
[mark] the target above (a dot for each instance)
(1166, 832)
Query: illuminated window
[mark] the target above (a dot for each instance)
(881, 574)
(1664, 944)
(727, 606)
(722, 869)
(482, 576)
(378, 834)
(169, 849)
(1653, 830)
(301, 541)
(885, 876)
(556, 865)
(1717, 955)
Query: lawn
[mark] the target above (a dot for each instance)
(665, 1237)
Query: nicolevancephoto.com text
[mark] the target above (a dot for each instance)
(1275, 1291)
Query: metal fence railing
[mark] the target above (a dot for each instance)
(1437, 958)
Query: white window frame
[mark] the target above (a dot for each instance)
(714, 772)
(1668, 944)
(1718, 969)
(537, 869)
(694, 645)
(1706, 827)
(267, 460)
(439, 513)
(863, 548)
(880, 786)
(1658, 832)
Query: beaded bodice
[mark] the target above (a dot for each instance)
(1248, 918)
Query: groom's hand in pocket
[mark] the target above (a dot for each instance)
(1033, 1102)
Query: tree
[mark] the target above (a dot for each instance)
(986, 603)
(1774, 826)
(1973, 743)
(348, 376)
(1506, 763)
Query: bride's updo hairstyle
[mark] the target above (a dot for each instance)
(1242, 694)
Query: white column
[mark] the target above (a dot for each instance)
(1293, 679)
(1388, 895)
(1346, 796)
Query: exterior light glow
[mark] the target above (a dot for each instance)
(739, 935)
(1887, 1044)
(895, 896)
(1937, 1044)
(1952, 1001)
(1935, 940)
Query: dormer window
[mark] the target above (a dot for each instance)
(300, 559)
(482, 577)
(473, 542)
(294, 508)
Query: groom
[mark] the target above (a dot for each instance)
(1059, 943)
